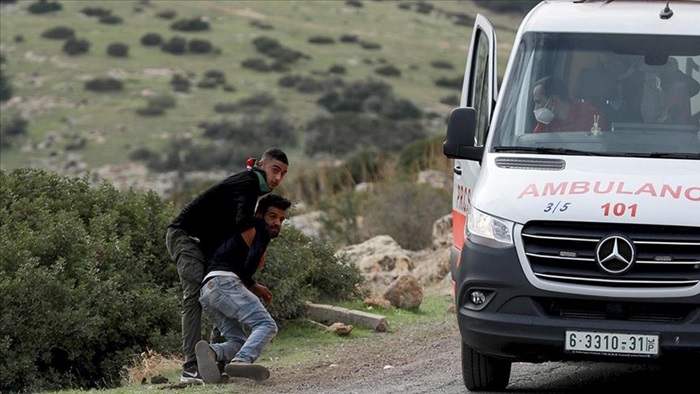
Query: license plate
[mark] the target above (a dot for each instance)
(612, 343)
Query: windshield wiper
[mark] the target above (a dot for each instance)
(675, 155)
(552, 151)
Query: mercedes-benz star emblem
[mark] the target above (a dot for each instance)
(615, 254)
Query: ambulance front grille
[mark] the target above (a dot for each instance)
(666, 256)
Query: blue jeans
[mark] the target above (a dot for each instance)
(233, 308)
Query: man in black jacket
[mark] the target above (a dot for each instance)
(218, 213)
(231, 297)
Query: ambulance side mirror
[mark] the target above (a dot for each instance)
(461, 135)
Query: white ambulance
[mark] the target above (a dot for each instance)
(576, 206)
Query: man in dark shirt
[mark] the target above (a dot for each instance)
(231, 297)
(218, 213)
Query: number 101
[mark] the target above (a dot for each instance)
(619, 209)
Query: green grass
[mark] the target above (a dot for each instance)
(38, 69)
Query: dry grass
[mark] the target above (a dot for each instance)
(147, 365)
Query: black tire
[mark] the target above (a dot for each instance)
(481, 372)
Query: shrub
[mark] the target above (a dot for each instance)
(118, 49)
(152, 39)
(372, 46)
(74, 46)
(180, 83)
(323, 40)
(349, 38)
(6, 89)
(421, 204)
(194, 24)
(442, 64)
(289, 81)
(261, 25)
(216, 75)
(111, 19)
(85, 281)
(337, 69)
(452, 100)
(354, 3)
(44, 6)
(167, 14)
(11, 127)
(388, 71)
(176, 45)
(96, 11)
(107, 84)
(200, 46)
(256, 64)
(157, 105)
(59, 33)
(452, 83)
(298, 270)
(309, 85)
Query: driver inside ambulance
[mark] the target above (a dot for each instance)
(555, 110)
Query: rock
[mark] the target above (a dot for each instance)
(377, 302)
(436, 179)
(310, 224)
(340, 328)
(405, 292)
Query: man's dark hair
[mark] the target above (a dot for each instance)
(552, 86)
(272, 200)
(275, 153)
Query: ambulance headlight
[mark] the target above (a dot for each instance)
(487, 230)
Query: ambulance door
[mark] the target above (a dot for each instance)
(468, 127)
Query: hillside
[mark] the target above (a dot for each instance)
(407, 45)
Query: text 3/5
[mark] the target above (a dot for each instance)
(619, 209)
(556, 207)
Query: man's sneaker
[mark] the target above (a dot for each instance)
(244, 369)
(190, 374)
(206, 361)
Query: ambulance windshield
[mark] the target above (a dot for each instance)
(603, 94)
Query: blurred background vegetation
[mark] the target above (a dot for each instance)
(116, 113)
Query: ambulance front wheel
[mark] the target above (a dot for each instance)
(481, 372)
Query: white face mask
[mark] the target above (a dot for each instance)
(544, 114)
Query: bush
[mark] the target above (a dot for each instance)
(85, 281)
(96, 11)
(200, 46)
(452, 83)
(372, 46)
(12, 126)
(74, 46)
(157, 105)
(256, 64)
(421, 206)
(167, 14)
(299, 270)
(59, 33)
(348, 38)
(107, 84)
(194, 24)
(44, 6)
(180, 83)
(118, 49)
(388, 71)
(111, 19)
(176, 45)
(151, 39)
(6, 90)
(337, 69)
(442, 64)
(323, 40)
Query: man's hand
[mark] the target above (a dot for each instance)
(262, 292)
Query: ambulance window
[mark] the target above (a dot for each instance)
(479, 95)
